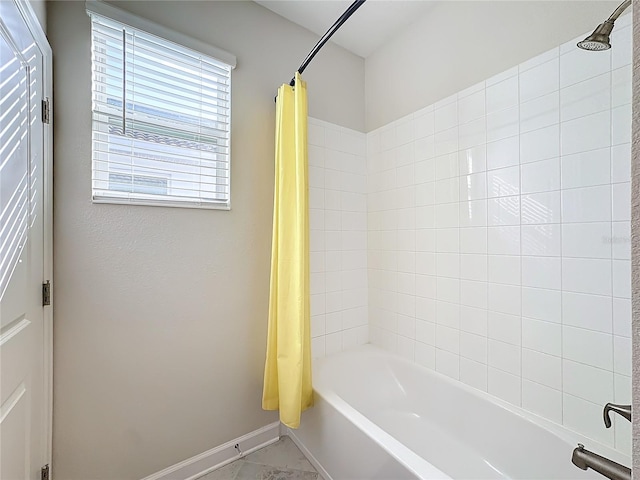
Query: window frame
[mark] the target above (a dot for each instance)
(96, 7)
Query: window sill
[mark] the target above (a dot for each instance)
(151, 203)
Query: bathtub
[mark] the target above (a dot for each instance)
(379, 416)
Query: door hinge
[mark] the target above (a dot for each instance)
(46, 293)
(46, 111)
(44, 472)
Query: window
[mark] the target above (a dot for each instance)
(161, 118)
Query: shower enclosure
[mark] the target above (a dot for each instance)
(497, 236)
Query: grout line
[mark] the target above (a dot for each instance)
(613, 349)
(486, 254)
(562, 419)
(520, 103)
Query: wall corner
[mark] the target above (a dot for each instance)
(635, 239)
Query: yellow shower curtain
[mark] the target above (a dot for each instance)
(287, 373)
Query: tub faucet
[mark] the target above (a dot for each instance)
(624, 410)
(584, 459)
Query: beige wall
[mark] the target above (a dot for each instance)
(461, 43)
(160, 313)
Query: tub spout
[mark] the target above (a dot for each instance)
(584, 459)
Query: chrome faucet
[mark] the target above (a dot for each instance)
(584, 459)
(624, 410)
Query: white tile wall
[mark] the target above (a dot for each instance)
(498, 236)
(338, 242)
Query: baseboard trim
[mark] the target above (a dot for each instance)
(317, 465)
(217, 457)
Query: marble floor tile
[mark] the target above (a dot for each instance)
(228, 472)
(283, 454)
(256, 471)
(281, 460)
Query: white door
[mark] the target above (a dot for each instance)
(23, 362)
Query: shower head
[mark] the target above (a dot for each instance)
(599, 39)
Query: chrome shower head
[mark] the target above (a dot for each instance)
(599, 39)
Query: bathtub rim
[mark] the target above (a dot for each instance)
(564, 433)
(410, 460)
(402, 454)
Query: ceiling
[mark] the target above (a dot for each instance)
(375, 22)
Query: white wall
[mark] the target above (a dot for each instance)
(160, 313)
(338, 223)
(461, 43)
(499, 236)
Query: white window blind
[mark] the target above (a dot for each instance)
(161, 120)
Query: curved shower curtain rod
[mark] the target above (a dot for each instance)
(328, 34)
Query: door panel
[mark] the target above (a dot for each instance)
(15, 419)
(15, 458)
(23, 429)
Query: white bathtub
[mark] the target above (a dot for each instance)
(378, 416)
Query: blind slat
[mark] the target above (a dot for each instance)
(111, 57)
(158, 47)
(140, 102)
(206, 189)
(161, 116)
(198, 177)
(113, 156)
(113, 86)
(221, 101)
(160, 199)
(202, 139)
(198, 138)
(139, 47)
(149, 109)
